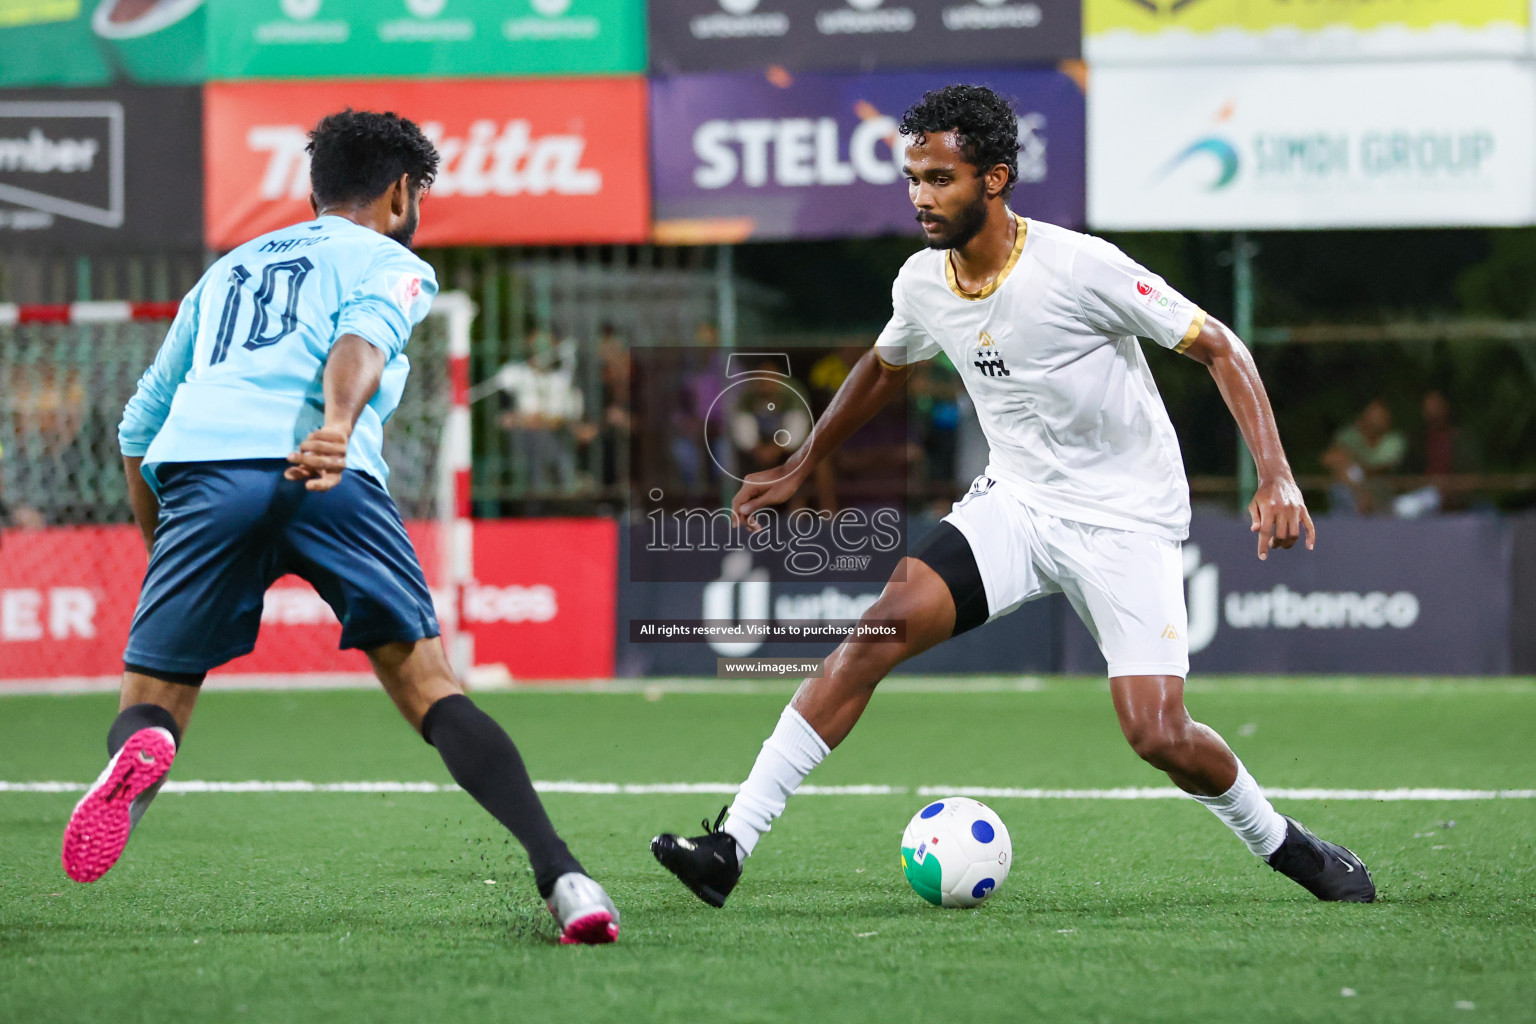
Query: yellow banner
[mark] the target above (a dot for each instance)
(37, 12)
(1156, 16)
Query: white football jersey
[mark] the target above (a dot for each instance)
(1050, 356)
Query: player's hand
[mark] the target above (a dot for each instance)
(764, 489)
(1280, 515)
(320, 458)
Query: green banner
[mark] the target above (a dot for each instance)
(97, 42)
(423, 38)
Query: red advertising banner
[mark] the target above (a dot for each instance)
(538, 161)
(542, 604)
(544, 600)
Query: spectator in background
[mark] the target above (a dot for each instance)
(1362, 454)
(22, 517)
(544, 412)
(770, 420)
(697, 421)
(614, 356)
(1443, 454)
(934, 391)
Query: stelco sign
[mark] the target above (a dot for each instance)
(819, 156)
(522, 162)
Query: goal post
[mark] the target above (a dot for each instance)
(71, 561)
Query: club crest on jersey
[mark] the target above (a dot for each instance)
(989, 359)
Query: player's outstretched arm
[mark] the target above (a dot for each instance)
(868, 386)
(352, 372)
(1279, 513)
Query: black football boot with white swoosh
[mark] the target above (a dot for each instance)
(709, 865)
(1326, 870)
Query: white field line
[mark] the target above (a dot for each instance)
(725, 789)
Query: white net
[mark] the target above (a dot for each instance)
(72, 562)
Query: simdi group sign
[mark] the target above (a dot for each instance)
(1420, 144)
(536, 161)
(1238, 31)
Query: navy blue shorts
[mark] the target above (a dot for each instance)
(227, 530)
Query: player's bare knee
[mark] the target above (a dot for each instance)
(1160, 744)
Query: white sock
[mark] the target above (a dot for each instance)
(786, 759)
(1247, 811)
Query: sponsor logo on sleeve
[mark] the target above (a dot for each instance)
(1157, 300)
(406, 291)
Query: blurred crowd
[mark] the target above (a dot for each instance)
(1370, 456)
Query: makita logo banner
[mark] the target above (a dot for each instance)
(522, 162)
(100, 169)
(726, 35)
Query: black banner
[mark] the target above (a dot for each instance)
(819, 612)
(725, 35)
(101, 170)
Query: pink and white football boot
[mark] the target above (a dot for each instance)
(585, 912)
(98, 829)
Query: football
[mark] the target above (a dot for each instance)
(956, 852)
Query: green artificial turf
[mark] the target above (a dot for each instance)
(374, 908)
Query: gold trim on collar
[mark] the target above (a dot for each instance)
(997, 282)
(1190, 335)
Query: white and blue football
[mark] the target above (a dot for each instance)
(956, 852)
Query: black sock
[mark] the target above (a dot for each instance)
(483, 760)
(140, 716)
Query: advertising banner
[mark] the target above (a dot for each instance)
(1241, 31)
(544, 597)
(1023, 643)
(1355, 605)
(1370, 145)
(731, 35)
(423, 38)
(739, 156)
(541, 604)
(545, 161)
(101, 170)
(98, 42)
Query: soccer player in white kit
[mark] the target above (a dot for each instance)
(1084, 494)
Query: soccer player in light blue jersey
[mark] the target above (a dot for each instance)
(253, 449)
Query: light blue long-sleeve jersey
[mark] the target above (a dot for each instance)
(240, 375)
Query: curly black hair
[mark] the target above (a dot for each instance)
(355, 155)
(986, 124)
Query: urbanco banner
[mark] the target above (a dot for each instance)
(1355, 605)
(101, 170)
(423, 38)
(775, 155)
(1241, 31)
(730, 35)
(1428, 144)
(533, 161)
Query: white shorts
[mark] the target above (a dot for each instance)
(1128, 588)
